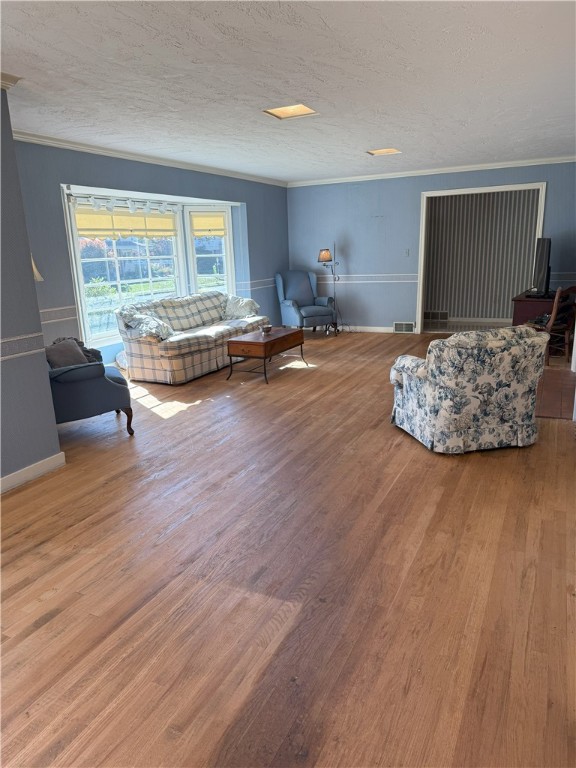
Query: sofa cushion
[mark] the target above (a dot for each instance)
(207, 337)
(239, 307)
(196, 340)
(194, 311)
(211, 306)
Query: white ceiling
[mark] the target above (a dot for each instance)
(450, 84)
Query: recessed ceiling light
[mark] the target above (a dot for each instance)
(295, 110)
(388, 151)
(9, 80)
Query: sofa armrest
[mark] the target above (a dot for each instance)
(324, 301)
(73, 373)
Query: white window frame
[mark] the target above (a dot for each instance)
(229, 261)
(185, 261)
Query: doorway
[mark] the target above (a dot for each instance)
(476, 252)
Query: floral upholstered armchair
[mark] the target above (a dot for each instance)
(475, 390)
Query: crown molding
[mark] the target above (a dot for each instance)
(34, 138)
(7, 81)
(435, 171)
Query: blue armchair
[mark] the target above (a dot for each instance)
(89, 389)
(300, 304)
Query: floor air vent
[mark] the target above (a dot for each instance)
(403, 327)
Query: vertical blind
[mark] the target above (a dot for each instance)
(479, 252)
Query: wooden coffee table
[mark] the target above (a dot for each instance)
(263, 346)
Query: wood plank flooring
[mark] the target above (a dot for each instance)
(555, 398)
(277, 576)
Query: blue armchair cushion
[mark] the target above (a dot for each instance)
(297, 287)
(315, 311)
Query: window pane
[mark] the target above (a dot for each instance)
(206, 244)
(162, 267)
(101, 301)
(131, 247)
(161, 246)
(132, 269)
(92, 249)
(211, 273)
(162, 289)
(135, 291)
(98, 271)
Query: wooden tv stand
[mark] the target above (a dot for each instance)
(528, 307)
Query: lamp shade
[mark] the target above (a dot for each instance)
(325, 257)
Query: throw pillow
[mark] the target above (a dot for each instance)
(148, 324)
(238, 307)
(66, 352)
(91, 355)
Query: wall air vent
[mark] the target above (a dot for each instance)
(403, 327)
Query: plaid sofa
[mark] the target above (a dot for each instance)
(175, 340)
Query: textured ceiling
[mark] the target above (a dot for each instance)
(450, 84)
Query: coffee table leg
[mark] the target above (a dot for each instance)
(302, 353)
(265, 375)
(230, 374)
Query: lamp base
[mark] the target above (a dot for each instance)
(332, 328)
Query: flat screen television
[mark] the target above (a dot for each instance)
(541, 272)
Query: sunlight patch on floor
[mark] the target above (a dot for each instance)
(163, 408)
(166, 410)
(297, 364)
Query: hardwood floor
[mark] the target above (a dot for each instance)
(555, 398)
(277, 576)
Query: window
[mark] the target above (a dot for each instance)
(128, 249)
(210, 247)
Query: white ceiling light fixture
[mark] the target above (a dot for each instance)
(294, 110)
(387, 151)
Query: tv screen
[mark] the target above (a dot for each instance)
(541, 272)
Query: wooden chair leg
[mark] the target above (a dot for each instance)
(128, 412)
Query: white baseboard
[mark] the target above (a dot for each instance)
(32, 472)
(368, 329)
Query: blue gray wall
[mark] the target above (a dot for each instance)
(29, 434)
(375, 224)
(262, 247)
(376, 227)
